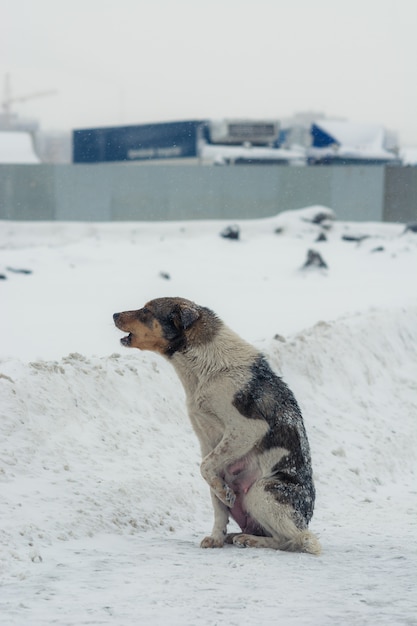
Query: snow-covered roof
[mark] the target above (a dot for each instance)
(350, 140)
(350, 134)
(17, 147)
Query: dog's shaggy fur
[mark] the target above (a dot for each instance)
(256, 456)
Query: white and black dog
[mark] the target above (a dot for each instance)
(256, 456)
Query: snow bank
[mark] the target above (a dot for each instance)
(92, 445)
(103, 506)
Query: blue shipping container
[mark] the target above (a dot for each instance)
(166, 140)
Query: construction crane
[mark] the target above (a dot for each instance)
(8, 99)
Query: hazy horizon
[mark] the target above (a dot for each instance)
(132, 62)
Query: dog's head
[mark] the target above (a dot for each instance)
(166, 325)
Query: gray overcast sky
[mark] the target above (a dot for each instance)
(132, 61)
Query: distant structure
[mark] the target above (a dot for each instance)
(144, 142)
(307, 138)
(336, 142)
(219, 142)
(17, 147)
(54, 146)
(8, 119)
(26, 143)
(295, 130)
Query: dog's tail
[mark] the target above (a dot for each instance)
(303, 541)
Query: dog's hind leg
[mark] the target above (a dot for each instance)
(278, 521)
(304, 541)
(221, 519)
(242, 540)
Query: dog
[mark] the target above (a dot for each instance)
(255, 452)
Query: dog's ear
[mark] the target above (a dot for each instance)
(185, 316)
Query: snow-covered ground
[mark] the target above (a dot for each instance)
(103, 506)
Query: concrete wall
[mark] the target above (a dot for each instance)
(400, 194)
(107, 192)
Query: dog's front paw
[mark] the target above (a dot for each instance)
(212, 542)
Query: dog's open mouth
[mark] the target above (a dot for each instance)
(126, 341)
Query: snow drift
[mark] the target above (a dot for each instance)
(103, 505)
(94, 445)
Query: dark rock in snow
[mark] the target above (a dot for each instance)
(165, 275)
(357, 238)
(314, 259)
(18, 271)
(412, 228)
(324, 219)
(378, 249)
(231, 232)
(3, 277)
(321, 217)
(279, 337)
(321, 237)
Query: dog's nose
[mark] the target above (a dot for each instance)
(116, 316)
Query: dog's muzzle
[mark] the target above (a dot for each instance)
(125, 341)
